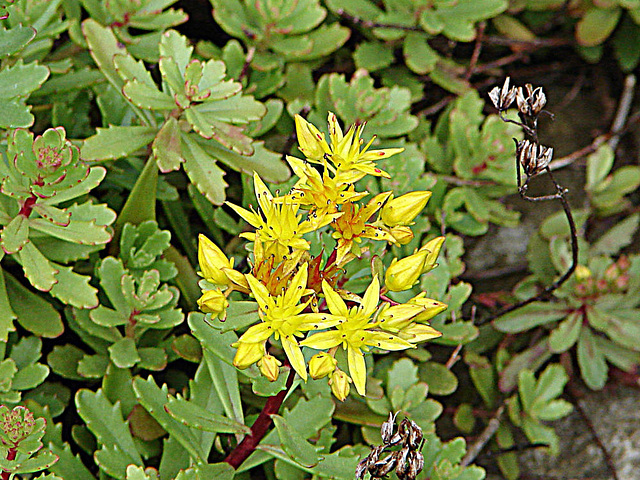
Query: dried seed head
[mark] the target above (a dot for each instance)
(534, 158)
(387, 428)
(415, 461)
(402, 459)
(414, 439)
(361, 469)
(531, 103)
(503, 97)
(383, 467)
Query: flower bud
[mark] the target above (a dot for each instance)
(418, 333)
(212, 260)
(310, 140)
(214, 302)
(623, 263)
(404, 273)
(612, 272)
(402, 210)
(270, 367)
(401, 234)
(433, 247)
(431, 307)
(394, 318)
(582, 273)
(339, 382)
(321, 365)
(247, 354)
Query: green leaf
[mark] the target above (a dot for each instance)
(15, 39)
(294, 444)
(599, 165)
(15, 234)
(591, 360)
(440, 379)
(167, 146)
(117, 142)
(147, 96)
(565, 335)
(123, 353)
(618, 237)
(153, 399)
(528, 317)
(37, 268)
(419, 56)
(402, 374)
(372, 56)
(74, 289)
(19, 80)
(68, 465)
(192, 415)
(203, 171)
(64, 359)
(7, 315)
(93, 366)
(30, 376)
(596, 25)
(106, 423)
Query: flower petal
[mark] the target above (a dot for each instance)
(371, 297)
(256, 333)
(334, 301)
(357, 369)
(294, 354)
(323, 340)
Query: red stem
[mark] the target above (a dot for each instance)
(11, 455)
(260, 427)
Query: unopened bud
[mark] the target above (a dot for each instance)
(321, 365)
(433, 247)
(404, 273)
(310, 139)
(622, 282)
(582, 273)
(212, 260)
(339, 382)
(431, 307)
(214, 302)
(612, 272)
(418, 333)
(270, 367)
(404, 209)
(247, 354)
(401, 234)
(623, 263)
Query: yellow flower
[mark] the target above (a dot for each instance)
(322, 194)
(339, 383)
(321, 365)
(281, 317)
(404, 209)
(351, 163)
(279, 225)
(214, 302)
(352, 227)
(404, 273)
(355, 331)
(346, 153)
(270, 367)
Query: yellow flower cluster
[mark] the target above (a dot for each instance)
(300, 302)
